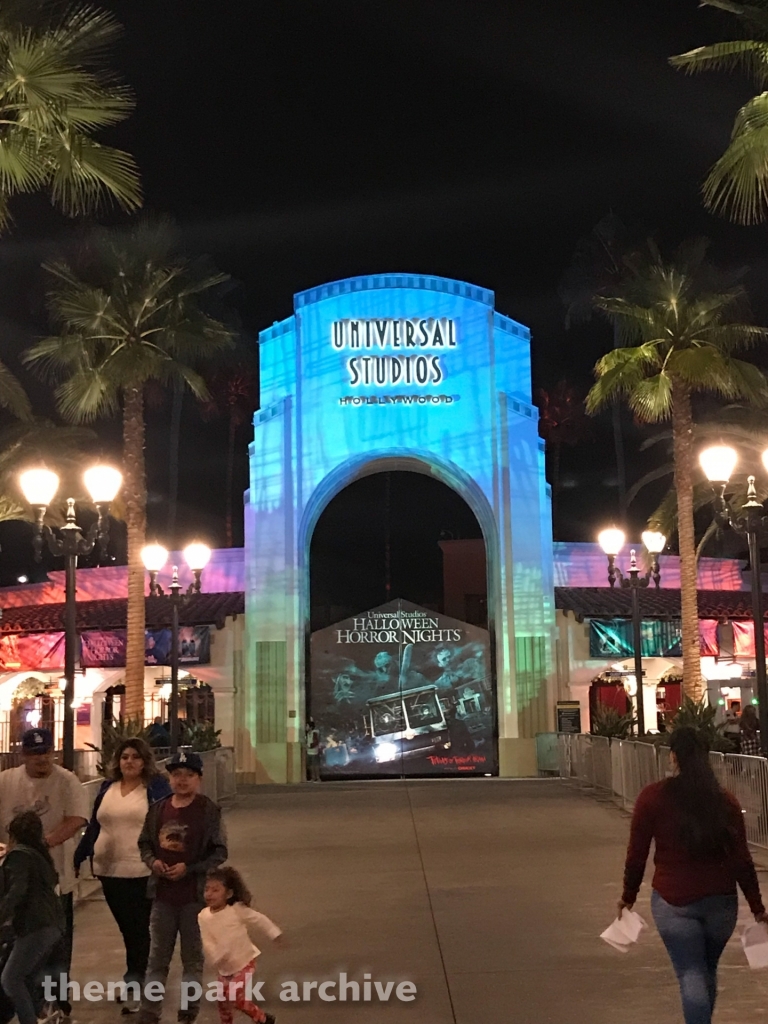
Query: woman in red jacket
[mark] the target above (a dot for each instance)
(701, 854)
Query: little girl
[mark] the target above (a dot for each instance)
(227, 944)
(29, 910)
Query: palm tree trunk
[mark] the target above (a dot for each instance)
(230, 475)
(173, 460)
(135, 494)
(618, 446)
(682, 439)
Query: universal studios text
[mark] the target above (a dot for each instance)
(413, 347)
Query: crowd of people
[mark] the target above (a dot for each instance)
(158, 847)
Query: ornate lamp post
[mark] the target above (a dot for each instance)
(718, 463)
(154, 557)
(612, 541)
(39, 487)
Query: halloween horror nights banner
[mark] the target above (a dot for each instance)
(403, 691)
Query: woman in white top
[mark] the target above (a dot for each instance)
(110, 843)
(224, 929)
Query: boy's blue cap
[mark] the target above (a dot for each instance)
(185, 759)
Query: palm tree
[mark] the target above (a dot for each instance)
(684, 323)
(55, 94)
(738, 182)
(129, 313)
(597, 268)
(562, 420)
(234, 394)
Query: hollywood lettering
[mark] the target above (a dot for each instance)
(396, 630)
(413, 349)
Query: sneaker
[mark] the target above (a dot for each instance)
(269, 1019)
(129, 1008)
(50, 1014)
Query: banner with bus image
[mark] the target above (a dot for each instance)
(400, 690)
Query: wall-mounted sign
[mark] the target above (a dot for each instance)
(403, 691)
(568, 716)
(395, 353)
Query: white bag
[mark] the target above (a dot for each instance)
(754, 939)
(624, 931)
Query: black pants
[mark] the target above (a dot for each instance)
(127, 899)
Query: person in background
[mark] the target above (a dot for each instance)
(111, 843)
(749, 732)
(181, 841)
(59, 800)
(29, 910)
(224, 928)
(158, 735)
(312, 734)
(701, 855)
(732, 729)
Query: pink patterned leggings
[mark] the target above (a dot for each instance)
(234, 991)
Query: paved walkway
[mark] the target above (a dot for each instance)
(488, 894)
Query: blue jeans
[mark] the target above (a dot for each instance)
(21, 969)
(695, 936)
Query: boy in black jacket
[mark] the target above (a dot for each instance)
(182, 839)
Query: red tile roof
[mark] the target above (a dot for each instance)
(608, 603)
(198, 610)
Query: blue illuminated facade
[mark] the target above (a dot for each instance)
(395, 372)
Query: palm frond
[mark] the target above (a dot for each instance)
(13, 397)
(750, 55)
(755, 14)
(738, 182)
(86, 173)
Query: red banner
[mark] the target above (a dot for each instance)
(744, 639)
(40, 651)
(708, 642)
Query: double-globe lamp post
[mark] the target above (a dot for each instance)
(155, 557)
(718, 463)
(39, 487)
(612, 541)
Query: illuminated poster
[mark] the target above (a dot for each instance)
(400, 690)
(36, 651)
(660, 638)
(106, 649)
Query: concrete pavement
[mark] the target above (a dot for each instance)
(489, 895)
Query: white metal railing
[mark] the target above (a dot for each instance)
(622, 768)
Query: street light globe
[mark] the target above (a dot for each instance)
(154, 557)
(654, 541)
(765, 458)
(103, 483)
(718, 463)
(197, 556)
(39, 486)
(611, 540)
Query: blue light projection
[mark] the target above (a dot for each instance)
(394, 372)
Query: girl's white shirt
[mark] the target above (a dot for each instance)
(226, 941)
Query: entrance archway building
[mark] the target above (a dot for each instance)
(394, 372)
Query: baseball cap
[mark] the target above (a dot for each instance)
(37, 741)
(185, 759)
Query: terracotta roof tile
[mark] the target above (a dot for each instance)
(608, 603)
(198, 610)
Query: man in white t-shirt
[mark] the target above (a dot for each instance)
(57, 796)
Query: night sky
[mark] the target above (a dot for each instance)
(298, 143)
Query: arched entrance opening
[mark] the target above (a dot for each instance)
(400, 666)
